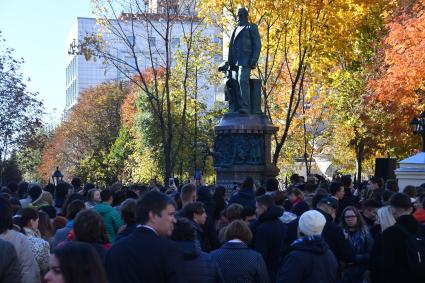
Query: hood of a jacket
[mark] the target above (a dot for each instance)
(44, 199)
(408, 222)
(274, 212)
(311, 244)
(103, 208)
(190, 249)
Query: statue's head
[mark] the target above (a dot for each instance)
(242, 16)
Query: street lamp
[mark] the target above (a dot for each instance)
(418, 127)
(57, 176)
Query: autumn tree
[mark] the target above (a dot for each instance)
(81, 145)
(140, 136)
(29, 155)
(400, 75)
(53, 155)
(302, 42)
(11, 170)
(20, 111)
(175, 66)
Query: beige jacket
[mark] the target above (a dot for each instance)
(29, 268)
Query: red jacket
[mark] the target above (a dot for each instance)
(419, 215)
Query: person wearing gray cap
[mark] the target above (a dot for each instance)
(333, 233)
(310, 260)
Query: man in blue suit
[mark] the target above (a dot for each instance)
(147, 255)
(244, 51)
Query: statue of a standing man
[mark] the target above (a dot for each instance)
(244, 51)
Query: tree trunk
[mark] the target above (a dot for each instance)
(168, 168)
(359, 160)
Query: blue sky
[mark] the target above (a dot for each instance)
(37, 30)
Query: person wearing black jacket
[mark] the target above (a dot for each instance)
(395, 267)
(204, 196)
(337, 191)
(333, 233)
(146, 256)
(198, 266)
(299, 206)
(349, 199)
(369, 213)
(310, 260)
(195, 212)
(269, 234)
(246, 195)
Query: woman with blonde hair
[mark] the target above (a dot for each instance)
(385, 217)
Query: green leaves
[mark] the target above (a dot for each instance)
(20, 110)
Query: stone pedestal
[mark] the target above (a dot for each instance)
(242, 148)
(411, 171)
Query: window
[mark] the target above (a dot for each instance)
(131, 40)
(152, 41)
(175, 42)
(173, 9)
(151, 62)
(131, 62)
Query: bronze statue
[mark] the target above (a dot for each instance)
(244, 51)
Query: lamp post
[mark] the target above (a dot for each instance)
(418, 127)
(57, 176)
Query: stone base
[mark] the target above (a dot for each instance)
(235, 175)
(245, 123)
(242, 149)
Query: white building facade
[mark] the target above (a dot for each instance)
(82, 74)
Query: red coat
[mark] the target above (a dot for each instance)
(419, 215)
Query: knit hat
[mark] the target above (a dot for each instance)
(311, 223)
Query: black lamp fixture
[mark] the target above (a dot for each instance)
(418, 127)
(57, 176)
(74, 48)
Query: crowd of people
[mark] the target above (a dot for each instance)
(313, 231)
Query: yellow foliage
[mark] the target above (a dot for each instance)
(302, 43)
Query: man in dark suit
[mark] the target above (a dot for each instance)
(244, 51)
(146, 255)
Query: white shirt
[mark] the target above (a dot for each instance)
(235, 241)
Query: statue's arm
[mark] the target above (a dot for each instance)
(230, 53)
(256, 45)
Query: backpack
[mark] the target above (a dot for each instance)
(415, 251)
